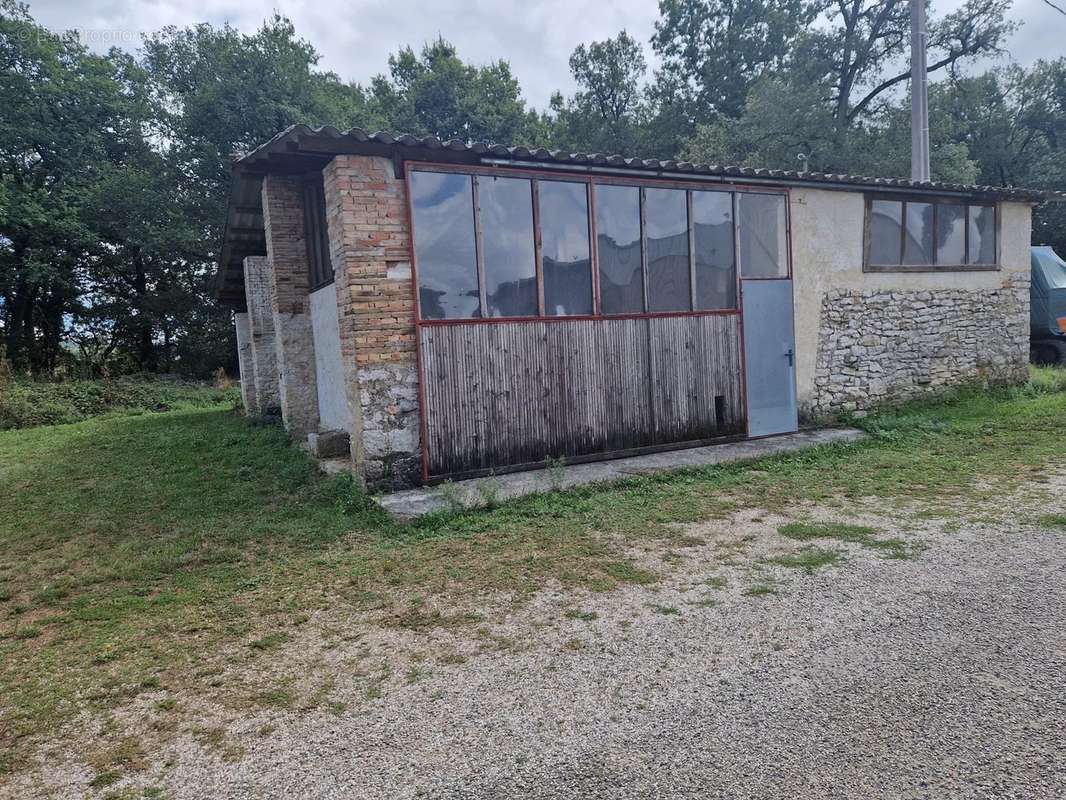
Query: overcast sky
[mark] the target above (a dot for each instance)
(536, 36)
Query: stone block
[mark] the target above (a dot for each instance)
(329, 444)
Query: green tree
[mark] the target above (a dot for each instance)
(436, 93)
(607, 112)
(714, 51)
(60, 103)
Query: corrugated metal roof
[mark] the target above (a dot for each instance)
(301, 146)
(297, 134)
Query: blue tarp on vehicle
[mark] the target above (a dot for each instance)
(1047, 312)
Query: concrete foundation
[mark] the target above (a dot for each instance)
(246, 362)
(477, 492)
(263, 346)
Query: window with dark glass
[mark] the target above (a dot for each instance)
(929, 234)
(712, 236)
(666, 240)
(446, 253)
(503, 246)
(618, 249)
(319, 265)
(506, 217)
(886, 231)
(982, 233)
(762, 231)
(565, 252)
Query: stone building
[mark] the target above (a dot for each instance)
(436, 309)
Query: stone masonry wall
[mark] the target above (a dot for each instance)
(366, 210)
(877, 346)
(283, 222)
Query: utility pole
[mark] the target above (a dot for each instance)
(919, 95)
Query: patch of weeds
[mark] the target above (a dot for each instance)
(705, 602)
(628, 572)
(415, 674)
(28, 632)
(270, 641)
(574, 644)
(278, 697)
(214, 738)
(418, 620)
(854, 534)
(666, 610)
(715, 582)
(577, 613)
(266, 730)
(451, 495)
(810, 559)
(166, 704)
(124, 756)
(1053, 521)
(489, 490)
(759, 590)
(109, 777)
(556, 469)
(452, 658)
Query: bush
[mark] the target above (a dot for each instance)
(26, 403)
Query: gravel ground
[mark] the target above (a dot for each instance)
(939, 676)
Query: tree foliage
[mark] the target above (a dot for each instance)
(114, 168)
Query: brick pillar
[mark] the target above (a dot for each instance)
(261, 322)
(366, 211)
(283, 222)
(244, 361)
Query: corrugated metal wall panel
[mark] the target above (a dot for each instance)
(503, 394)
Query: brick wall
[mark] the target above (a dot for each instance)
(366, 210)
(283, 223)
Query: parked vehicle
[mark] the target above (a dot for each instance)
(1047, 309)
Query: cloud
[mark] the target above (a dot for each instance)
(356, 38)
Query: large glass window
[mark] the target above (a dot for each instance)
(982, 233)
(763, 235)
(497, 245)
(443, 209)
(666, 240)
(712, 234)
(564, 235)
(618, 249)
(937, 235)
(886, 234)
(506, 207)
(951, 234)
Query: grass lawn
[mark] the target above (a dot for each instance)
(141, 552)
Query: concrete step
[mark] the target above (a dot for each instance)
(475, 492)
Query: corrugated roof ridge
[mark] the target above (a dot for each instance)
(294, 133)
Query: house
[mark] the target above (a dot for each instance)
(440, 309)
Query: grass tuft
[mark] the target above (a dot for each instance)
(810, 559)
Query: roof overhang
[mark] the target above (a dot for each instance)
(300, 149)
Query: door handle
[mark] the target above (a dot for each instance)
(790, 356)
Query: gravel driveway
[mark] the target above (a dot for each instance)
(940, 676)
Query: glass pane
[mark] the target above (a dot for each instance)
(712, 222)
(618, 243)
(982, 235)
(763, 240)
(507, 237)
(918, 241)
(443, 209)
(666, 221)
(951, 235)
(564, 237)
(886, 217)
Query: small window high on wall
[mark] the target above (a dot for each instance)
(912, 234)
(507, 244)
